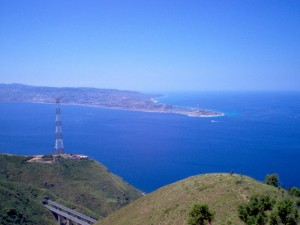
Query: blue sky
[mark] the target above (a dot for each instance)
(157, 45)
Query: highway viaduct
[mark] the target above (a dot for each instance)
(67, 216)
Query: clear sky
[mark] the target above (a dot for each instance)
(152, 45)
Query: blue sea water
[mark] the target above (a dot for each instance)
(259, 134)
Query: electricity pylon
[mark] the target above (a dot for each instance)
(59, 145)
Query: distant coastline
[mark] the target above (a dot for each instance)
(100, 98)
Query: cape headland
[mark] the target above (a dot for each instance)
(102, 98)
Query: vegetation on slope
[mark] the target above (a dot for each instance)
(223, 193)
(261, 210)
(83, 185)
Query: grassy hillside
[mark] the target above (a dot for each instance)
(84, 185)
(172, 204)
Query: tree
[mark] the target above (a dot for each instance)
(199, 214)
(254, 212)
(287, 212)
(272, 179)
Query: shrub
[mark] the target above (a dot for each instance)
(287, 212)
(294, 191)
(272, 179)
(254, 212)
(200, 214)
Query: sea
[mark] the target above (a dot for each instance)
(259, 134)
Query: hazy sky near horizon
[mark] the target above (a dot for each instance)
(157, 45)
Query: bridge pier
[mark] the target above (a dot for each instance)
(61, 220)
(58, 219)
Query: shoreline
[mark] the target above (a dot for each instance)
(186, 111)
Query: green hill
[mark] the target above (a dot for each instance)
(172, 204)
(84, 185)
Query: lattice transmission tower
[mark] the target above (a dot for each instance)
(59, 145)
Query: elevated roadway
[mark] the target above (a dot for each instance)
(67, 216)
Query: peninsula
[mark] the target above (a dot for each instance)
(102, 98)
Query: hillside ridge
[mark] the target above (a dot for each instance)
(84, 185)
(171, 204)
